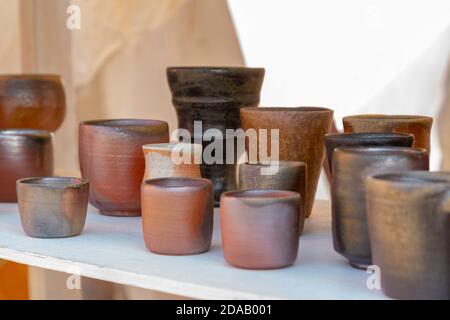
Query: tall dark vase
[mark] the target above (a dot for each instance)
(214, 95)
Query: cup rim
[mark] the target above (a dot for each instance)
(25, 133)
(297, 109)
(30, 76)
(178, 183)
(380, 150)
(60, 183)
(261, 194)
(377, 117)
(123, 122)
(415, 178)
(219, 69)
(368, 135)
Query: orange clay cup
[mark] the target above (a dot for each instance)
(177, 215)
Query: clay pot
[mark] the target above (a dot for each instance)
(336, 140)
(111, 159)
(31, 101)
(52, 207)
(172, 160)
(419, 126)
(290, 176)
(351, 167)
(177, 215)
(260, 228)
(214, 95)
(409, 226)
(301, 137)
(23, 153)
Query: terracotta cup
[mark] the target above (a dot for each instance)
(351, 167)
(172, 160)
(260, 228)
(23, 153)
(177, 215)
(111, 159)
(31, 101)
(281, 175)
(52, 207)
(409, 226)
(419, 126)
(301, 137)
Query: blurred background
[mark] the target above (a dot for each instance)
(354, 56)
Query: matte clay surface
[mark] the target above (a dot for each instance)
(302, 137)
(111, 158)
(23, 153)
(33, 101)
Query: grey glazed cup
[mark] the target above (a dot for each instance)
(409, 227)
(52, 207)
(351, 167)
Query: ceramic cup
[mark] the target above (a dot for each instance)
(351, 167)
(52, 207)
(23, 153)
(419, 126)
(260, 228)
(289, 176)
(301, 137)
(111, 159)
(31, 101)
(409, 226)
(177, 215)
(172, 160)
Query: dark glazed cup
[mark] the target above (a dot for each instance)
(260, 228)
(419, 126)
(351, 167)
(177, 215)
(302, 137)
(52, 207)
(23, 153)
(409, 226)
(336, 140)
(32, 101)
(214, 95)
(290, 176)
(111, 159)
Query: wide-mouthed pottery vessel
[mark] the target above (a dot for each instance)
(177, 215)
(23, 153)
(301, 137)
(211, 97)
(52, 207)
(279, 175)
(351, 167)
(111, 159)
(32, 101)
(419, 126)
(260, 228)
(172, 160)
(409, 226)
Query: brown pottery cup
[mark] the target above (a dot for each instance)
(280, 175)
(52, 207)
(301, 138)
(32, 101)
(409, 226)
(419, 126)
(177, 215)
(351, 167)
(111, 159)
(260, 228)
(23, 153)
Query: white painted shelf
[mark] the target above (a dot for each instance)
(112, 249)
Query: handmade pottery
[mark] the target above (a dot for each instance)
(335, 140)
(419, 126)
(31, 101)
(111, 159)
(177, 215)
(301, 137)
(212, 97)
(52, 207)
(23, 153)
(281, 175)
(351, 167)
(409, 227)
(172, 160)
(260, 228)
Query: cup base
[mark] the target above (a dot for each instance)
(121, 213)
(360, 266)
